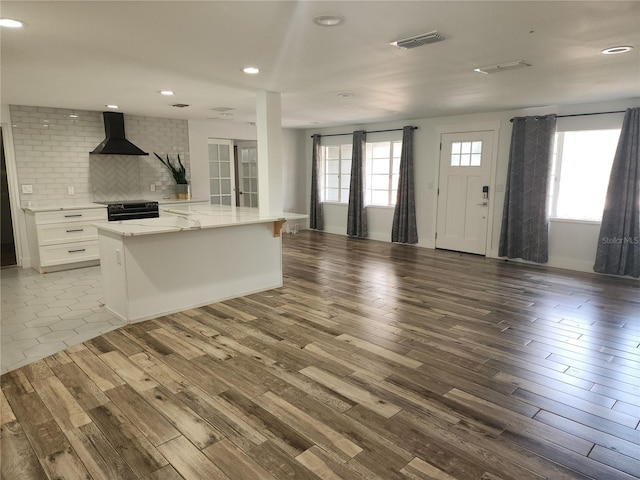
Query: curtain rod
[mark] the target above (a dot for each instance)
(373, 131)
(584, 114)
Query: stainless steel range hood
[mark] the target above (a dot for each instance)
(115, 143)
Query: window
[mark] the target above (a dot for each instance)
(466, 154)
(337, 172)
(382, 169)
(580, 173)
(382, 166)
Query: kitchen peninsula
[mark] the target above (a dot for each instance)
(192, 255)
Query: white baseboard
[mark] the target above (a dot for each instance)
(555, 262)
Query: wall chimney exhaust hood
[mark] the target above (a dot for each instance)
(115, 143)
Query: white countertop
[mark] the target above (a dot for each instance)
(58, 207)
(177, 218)
(86, 205)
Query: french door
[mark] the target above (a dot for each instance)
(221, 172)
(248, 174)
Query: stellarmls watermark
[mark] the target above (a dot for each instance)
(620, 240)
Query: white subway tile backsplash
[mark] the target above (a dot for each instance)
(53, 157)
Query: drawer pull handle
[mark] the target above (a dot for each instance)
(75, 230)
(77, 250)
(74, 215)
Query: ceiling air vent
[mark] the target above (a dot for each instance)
(418, 40)
(501, 67)
(180, 105)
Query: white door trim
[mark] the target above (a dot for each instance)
(493, 126)
(17, 215)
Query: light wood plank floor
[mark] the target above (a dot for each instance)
(374, 361)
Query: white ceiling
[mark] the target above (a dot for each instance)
(85, 54)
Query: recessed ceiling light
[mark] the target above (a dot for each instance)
(11, 23)
(328, 20)
(616, 50)
(251, 70)
(345, 95)
(73, 115)
(167, 92)
(112, 106)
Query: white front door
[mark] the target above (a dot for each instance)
(463, 205)
(221, 172)
(248, 173)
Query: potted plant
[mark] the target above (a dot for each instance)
(179, 175)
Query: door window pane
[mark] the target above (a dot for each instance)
(466, 154)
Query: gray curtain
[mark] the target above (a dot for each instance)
(357, 214)
(316, 216)
(525, 223)
(404, 228)
(618, 250)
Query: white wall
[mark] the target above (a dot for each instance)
(294, 172)
(572, 245)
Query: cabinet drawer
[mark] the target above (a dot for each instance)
(69, 253)
(64, 216)
(52, 234)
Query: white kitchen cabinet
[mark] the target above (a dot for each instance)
(62, 238)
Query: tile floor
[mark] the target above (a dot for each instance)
(43, 314)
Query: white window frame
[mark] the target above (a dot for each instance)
(323, 149)
(555, 173)
(392, 139)
(391, 192)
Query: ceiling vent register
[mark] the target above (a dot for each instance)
(502, 67)
(419, 40)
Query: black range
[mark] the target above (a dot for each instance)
(131, 209)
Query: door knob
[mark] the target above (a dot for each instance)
(483, 204)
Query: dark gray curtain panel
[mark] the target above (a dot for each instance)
(618, 250)
(404, 229)
(357, 213)
(525, 223)
(316, 216)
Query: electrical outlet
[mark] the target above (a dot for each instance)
(152, 187)
(71, 191)
(27, 189)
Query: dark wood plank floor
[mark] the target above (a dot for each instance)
(374, 361)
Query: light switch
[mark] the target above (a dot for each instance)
(152, 187)
(27, 189)
(71, 190)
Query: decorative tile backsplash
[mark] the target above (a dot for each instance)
(52, 153)
(115, 177)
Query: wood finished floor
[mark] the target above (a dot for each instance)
(374, 361)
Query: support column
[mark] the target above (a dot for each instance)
(269, 126)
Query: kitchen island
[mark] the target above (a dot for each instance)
(192, 255)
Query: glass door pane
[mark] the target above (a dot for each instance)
(221, 174)
(248, 174)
